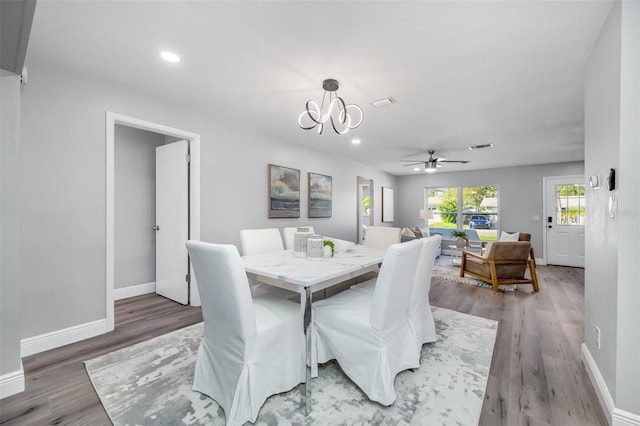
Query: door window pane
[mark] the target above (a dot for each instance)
(570, 204)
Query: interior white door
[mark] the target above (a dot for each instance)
(172, 221)
(565, 221)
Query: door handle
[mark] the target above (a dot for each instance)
(156, 228)
(549, 226)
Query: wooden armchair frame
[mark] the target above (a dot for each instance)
(493, 277)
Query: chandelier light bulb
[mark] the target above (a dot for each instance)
(343, 117)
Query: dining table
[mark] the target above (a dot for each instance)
(306, 275)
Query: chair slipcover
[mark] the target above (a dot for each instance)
(381, 236)
(256, 241)
(289, 235)
(250, 349)
(420, 316)
(369, 334)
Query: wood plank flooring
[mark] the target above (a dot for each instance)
(536, 377)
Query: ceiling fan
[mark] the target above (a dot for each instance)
(433, 163)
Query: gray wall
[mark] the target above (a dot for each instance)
(135, 205)
(612, 253)
(520, 194)
(9, 223)
(62, 188)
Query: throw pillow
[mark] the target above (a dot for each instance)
(509, 237)
(418, 232)
(408, 233)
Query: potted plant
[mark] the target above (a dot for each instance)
(462, 240)
(330, 245)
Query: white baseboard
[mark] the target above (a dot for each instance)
(615, 416)
(12, 383)
(624, 418)
(134, 290)
(540, 261)
(55, 339)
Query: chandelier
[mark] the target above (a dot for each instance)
(343, 117)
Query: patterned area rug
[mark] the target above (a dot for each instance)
(449, 272)
(150, 383)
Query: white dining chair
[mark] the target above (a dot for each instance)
(369, 334)
(420, 316)
(381, 237)
(256, 241)
(251, 348)
(289, 234)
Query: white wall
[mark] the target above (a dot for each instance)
(135, 206)
(9, 228)
(62, 187)
(520, 194)
(628, 354)
(612, 136)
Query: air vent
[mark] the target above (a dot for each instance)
(383, 102)
(485, 146)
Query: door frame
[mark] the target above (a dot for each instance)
(112, 119)
(545, 181)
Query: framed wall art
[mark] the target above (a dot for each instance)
(284, 192)
(387, 204)
(320, 195)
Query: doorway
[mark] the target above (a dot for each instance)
(193, 141)
(364, 207)
(565, 210)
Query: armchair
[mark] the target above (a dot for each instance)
(504, 263)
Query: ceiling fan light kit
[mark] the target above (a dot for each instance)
(343, 117)
(431, 167)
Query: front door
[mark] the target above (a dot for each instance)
(565, 221)
(172, 221)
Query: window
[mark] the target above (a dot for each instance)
(472, 208)
(570, 204)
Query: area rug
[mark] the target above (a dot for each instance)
(450, 272)
(150, 383)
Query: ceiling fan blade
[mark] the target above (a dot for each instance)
(418, 161)
(413, 164)
(453, 161)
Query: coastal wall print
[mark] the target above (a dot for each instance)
(387, 204)
(284, 192)
(320, 193)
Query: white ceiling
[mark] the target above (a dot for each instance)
(463, 72)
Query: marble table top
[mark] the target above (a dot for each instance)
(303, 272)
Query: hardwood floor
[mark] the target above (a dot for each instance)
(536, 377)
(58, 390)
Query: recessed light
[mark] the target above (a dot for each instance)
(169, 56)
(383, 102)
(355, 141)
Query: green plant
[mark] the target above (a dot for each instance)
(458, 233)
(366, 204)
(330, 244)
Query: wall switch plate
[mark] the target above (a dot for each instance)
(598, 337)
(613, 206)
